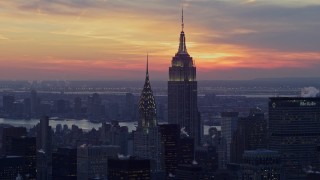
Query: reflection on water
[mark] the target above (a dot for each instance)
(83, 124)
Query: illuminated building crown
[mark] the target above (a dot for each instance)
(147, 105)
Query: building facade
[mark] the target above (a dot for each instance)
(64, 164)
(170, 135)
(261, 164)
(146, 139)
(294, 131)
(92, 161)
(229, 121)
(130, 168)
(182, 92)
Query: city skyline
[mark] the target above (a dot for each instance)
(107, 40)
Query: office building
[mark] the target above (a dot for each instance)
(186, 147)
(44, 149)
(189, 172)
(207, 159)
(251, 134)
(11, 167)
(8, 104)
(92, 161)
(146, 139)
(229, 121)
(129, 110)
(77, 107)
(129, 168)
(64, 164)
(6, 136)
(182, 92)
(26, 147)
(35, 102)
(294, 131)
(261, 164)
(170, 135)
(113, 134)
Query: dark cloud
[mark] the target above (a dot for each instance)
(271, 27)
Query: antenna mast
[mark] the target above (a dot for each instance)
(182, 23)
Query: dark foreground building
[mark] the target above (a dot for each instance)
(130, 168)
(261, 164)
(11, 167)
(294, 131)
(26, 147)
(170, 135)
(64, 164)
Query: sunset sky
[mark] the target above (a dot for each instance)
(109, 39)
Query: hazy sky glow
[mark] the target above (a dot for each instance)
(109, 39)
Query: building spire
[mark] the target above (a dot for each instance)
(182, 44)
(147, 105)
(147, 72)
(182, 23)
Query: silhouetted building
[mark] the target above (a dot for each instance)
(92, 161)
(35, 101)
(129, 110)
(11, 167)
(189, 172)
(182, 92)
(44, 149)
(186, 150)
(26, 147)
(207, 159)
(64, 164)
(313, 176)
(170, 135)
(27, 108)
(77, 107)
(146, 139)
(113, 134)
(294, 131)
(8, 104)
(61, 106)
(251, 134)
(129, 168)
(229, 122)
(96, 110)
(261, 164)
(6, 136)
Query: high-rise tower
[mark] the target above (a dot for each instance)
(147, 105)
(146, 139)
(182, 91)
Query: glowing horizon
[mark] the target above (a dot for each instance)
(109, 40)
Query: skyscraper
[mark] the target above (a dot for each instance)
(44, 149)
(170, 135)
(182, 91)
(294, 131)
(129, 168)
(64, 164)
(251, 134)
(26, 147)
(92, 161)
(261, 164)
(146, 139)
(228, 127)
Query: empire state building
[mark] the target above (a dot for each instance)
(182, 91)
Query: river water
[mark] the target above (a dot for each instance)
(83, 124)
